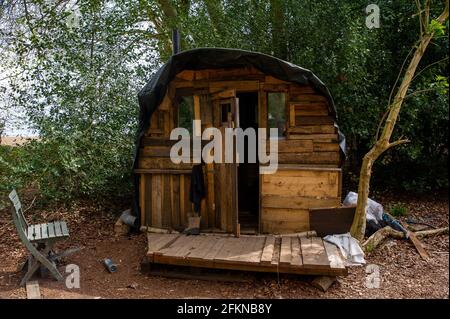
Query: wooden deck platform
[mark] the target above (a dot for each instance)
(284, 254)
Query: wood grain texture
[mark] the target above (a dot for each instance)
(313, 252)
(284, 254)
(332, 220)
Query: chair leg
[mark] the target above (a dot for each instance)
(25, 264)
(40, 259)
(31, 270)
(49, 264)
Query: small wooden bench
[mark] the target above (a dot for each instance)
(39, 240)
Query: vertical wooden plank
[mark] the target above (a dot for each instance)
(223, 198)
(217, 195)
(229, 197)
(166, 118)
(51, 230)
(334, 256)
(296, 252)
(276, 251)
(187, 203)
(204, 222)
(37, 231)
(217, 115)
(142, 198)
(340, 183)
(33, 291)
(292, 115)
(156, 200)
(286, 252)
(166, 213)
(210, 195)
(183, 219)
(58, 231)
(206, 111)
(268, 250)
(176, 200)
(262, 109)
(197, 129)
(44, 232)
(148, 200)
(171, 122)
(313, 252)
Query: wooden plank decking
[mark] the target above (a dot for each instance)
(284, 254)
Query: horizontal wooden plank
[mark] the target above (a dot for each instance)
(310, 158)
(325, 146)
(281, 220)
(302, 97)
(161, 163)
(272, 80)
(301, 89)
(285, 214)
(237, 85)
(313, 120)
(310, 109)
(164, 142)
(333, 137)
(308, 174)
(293, 146)
(276, 184)
(155, 151)
(151, 141)
(313, 129)
(282, 227)
(162, 171)
(297, 202)
(300, 167)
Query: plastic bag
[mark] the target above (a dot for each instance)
(374, 210)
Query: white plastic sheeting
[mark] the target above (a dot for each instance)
(349, 247)
(374, 210)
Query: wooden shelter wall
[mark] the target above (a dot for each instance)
(310, 147)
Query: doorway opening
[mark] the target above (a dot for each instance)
(248, 173)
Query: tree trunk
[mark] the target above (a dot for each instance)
(279, 43)
(383, 142)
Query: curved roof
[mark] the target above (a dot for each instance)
(210, 58)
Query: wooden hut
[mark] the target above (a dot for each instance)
(208, 84)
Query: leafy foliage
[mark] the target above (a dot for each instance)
(78, 82)
(398, 209)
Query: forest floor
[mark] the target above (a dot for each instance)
(403, 273)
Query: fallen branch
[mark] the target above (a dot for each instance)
(373, 241)
(377, 237)
(431, 232)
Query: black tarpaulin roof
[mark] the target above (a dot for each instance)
(209, 58)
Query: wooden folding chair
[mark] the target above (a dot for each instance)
(38, 239)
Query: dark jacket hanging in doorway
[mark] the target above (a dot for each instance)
(197, 191)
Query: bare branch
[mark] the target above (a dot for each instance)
(444, 15)
(427, 13)
(422, 91)
(398, 78)
(419, 10)
(398, 142)
(428, 66)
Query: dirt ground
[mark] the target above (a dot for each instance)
(403, 273)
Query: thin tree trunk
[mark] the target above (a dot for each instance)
(278, 30)
(383, 142)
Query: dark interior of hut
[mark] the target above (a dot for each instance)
(248, 176)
